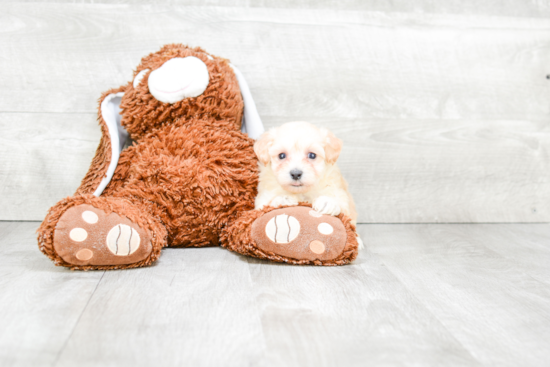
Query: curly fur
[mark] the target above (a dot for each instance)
(221, 100)
(194, 178)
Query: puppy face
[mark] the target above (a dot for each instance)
(298, 154)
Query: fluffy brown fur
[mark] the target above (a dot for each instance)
(221, 100)
(194, 178)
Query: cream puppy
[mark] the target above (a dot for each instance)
(298, 163)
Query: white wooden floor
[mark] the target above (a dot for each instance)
(420, 295)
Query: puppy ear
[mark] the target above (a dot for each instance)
(333, 147)
(261, 147)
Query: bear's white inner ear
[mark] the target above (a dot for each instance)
(139, 77)
(252, 123)
(179, 78)
(110, 112)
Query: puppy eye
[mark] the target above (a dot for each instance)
(312, 155)
(282, 156)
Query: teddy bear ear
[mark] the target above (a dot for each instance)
(110, 114)
(252, 123)
(113, 140)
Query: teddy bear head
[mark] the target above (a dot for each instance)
(178, 84)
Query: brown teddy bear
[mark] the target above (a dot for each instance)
(188, 180)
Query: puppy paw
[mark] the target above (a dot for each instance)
(326, 205)
(283, 201)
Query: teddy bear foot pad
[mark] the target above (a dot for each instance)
(86, 235)
(300, 233)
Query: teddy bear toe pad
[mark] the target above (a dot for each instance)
(86, 235)
(300, 233)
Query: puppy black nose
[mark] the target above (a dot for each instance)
(296, 174)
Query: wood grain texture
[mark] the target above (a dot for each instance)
(515, 8)
(445, 170)
(192, 308)
(419, 295)
(36, 147)
(348, 316)
(490, 302)
(527, 247)
(39, 303)
(444, 116)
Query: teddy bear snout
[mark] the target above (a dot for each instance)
(179, 78)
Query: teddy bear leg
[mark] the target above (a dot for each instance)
(297, 235)
(87, 232)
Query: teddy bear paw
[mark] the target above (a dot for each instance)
(300, 233)
(86, 235)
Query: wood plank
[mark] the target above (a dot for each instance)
(194, 307)
(489, 303)
(443, 120)
(348, 316)
(514, 8)
(424, 171)
(418, 295)
(40, 304)
(445, 170)
(44, 158)
(526, 246)
(373, 64)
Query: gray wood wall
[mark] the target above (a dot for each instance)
(444, 109)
